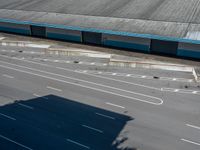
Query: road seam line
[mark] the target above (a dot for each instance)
(8, 76)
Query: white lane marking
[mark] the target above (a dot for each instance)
(137, 99)
(52, 88)
(104, 64)
(193, 126)
(19, 144)
(92, 88)
(106, 116)
(26, 106)
(195, 92)
(174, 79)
(77, 143)
(7, 116)
(150, 87)
(176, 90)
(195, 143)
(36, 95)
(55, 60)
(7, 76)
(92, 63)
(97, 130)
(131, 83)
(115, 105)
(114, 74)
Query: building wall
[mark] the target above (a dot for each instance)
(64, 34)
(15, 28)
(189, 50)
(132, 43)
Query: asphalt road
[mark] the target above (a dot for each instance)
(51, 105)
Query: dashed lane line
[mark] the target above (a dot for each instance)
(53, 88)
(6, 116)
(7, 76)
(26, 106)
(38, 96)
(108, 103)
(77, 143)
(92, 128)
(193, 126)
(105, 116)
(19, 144)
(191, 142)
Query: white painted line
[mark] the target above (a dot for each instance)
(176, 90)
(174, 79)
(115, 105)
(195, 92)
(97, 130)
(191, 142)
(19, 144)
(56, 89)
(106, 116)
(144, 76)
(55, 60)
(128, 75)
(7, 76)
(92, 63)
(26, 106)
(36, 95)
(104, 64)
(79, 144)
(80, 62)
(193, 126)
(99, 72)
(32, 52)
(133, 98)
(7, 116)
(114, 74)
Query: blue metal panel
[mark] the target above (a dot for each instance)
(122, 33)
(64, 37)
(188, 53)
(15, 30)
(126, 45)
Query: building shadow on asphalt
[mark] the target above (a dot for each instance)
(52, 122)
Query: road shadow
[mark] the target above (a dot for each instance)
(56, 123)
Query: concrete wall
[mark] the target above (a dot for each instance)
(68, 35)
(189, 50)
(139, 44)
(15, 28)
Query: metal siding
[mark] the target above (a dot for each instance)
(15, 28)
(64, 34)
(126, 42)
(189, 50)
(164, 47)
